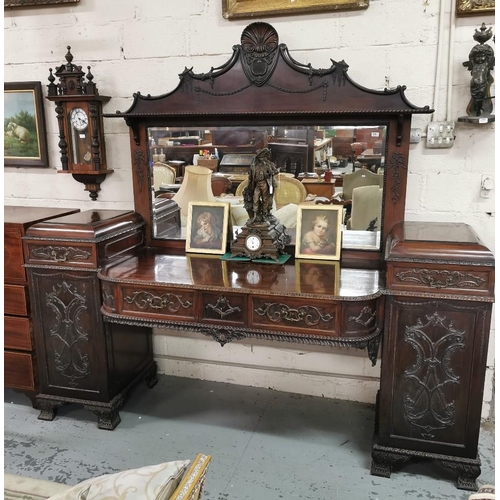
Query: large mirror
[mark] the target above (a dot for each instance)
(318, 165)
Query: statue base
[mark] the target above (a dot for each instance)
(480, 120)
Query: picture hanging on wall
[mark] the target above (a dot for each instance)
(25, 141)
(247, 9)
(474, 7)
(10, 4)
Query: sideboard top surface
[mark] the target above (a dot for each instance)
(437, 242)
(89, 225)
(151, 267)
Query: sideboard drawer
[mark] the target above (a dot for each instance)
(315, 317)
(175, 304)
(224, 308)
(13, 255)
(17, 333)
(71, 254)
(18, 370)
(16, 300)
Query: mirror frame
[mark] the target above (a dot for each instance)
(262, 71)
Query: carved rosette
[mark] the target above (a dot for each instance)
(441, 279)
(427, 405)
(67, 334)
(147, 300)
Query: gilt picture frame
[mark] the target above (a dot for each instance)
(475, 7)
(247, 9)
(13, 4)
(25, 139)
(319, 232)
(207, 227)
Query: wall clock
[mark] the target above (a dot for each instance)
(79, 116)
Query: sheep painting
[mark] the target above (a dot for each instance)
(21, 133)
(21, 125)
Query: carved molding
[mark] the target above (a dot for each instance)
(140, 166)
(147, 300)
(397, 163)
(365, 313)
(309, 315)
(222, 307)
(441, 279)
(68, 334)
(428, 407)
(59, 254)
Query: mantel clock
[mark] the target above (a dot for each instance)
(81, 133)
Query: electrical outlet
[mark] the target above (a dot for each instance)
(440, 134)
(487, 186)
(415, 136)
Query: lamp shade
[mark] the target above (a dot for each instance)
(196, 186)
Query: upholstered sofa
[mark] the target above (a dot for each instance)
(178, 480)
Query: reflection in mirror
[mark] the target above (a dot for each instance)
(322, 164)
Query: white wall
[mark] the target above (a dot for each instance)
(141, 45)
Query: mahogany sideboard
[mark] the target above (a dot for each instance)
(20, 370)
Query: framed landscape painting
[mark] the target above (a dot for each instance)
(25, 140)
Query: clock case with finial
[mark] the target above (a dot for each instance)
(81, 131)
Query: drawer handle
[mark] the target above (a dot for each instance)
(60, 254)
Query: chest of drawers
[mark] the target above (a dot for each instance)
(19, 353)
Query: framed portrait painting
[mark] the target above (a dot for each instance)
(313, 276)
(207, 227)
(319, 234)
(25, 140)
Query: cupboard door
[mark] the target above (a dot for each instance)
(69, 335)
(433, 375)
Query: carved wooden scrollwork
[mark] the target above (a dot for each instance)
(140, 167)
(441, 279)
(147, 300)
(365, 317)
(428, 406)
(67, 333)
(396, 164)
(60, 254)
(308, 315)
(222, 307)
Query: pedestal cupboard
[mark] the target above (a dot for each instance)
(81, 359)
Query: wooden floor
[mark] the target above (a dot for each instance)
(266, 445)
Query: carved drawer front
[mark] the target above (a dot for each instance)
(223, 308)
(18, 370)
(16, 300)
(441, 279)
(175, 303)
(13, 256)
(359, 318)
(17, 333)
(295, 315)
(62, 254)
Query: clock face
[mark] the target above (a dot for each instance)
(79, 119)
(253, 243)
(253, 277)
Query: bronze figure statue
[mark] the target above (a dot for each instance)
(481, 62)
(258, 195)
